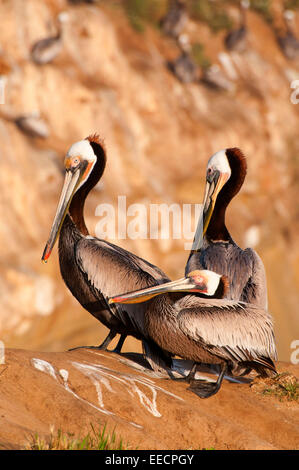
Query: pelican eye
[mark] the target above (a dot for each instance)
(71, 163)
(75, 162)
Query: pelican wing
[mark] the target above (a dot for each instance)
(232, 330)
(111, 270)
(255, 290)
(243, 268)
(226, 259)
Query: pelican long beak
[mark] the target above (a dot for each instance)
(71, 182)
(213, 187)
(146, 294)
(206, 283)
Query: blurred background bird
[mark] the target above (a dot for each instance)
(184, 66)
(45, 50)
(287, 40)
(237, 38)
(176, 18)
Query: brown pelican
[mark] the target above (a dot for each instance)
(213, 246)
(45, 50)
(235, 335)
(236, 39)
(175, 19)
(184, 67)
(214, 78)
(288, 42)
(33, 125)
(95, 269)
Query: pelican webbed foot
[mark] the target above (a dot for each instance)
(187, 378)
(206, 389)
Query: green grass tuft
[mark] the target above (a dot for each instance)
(199, 56)
(284, 386)
(210, 13)
(141, 12)
(263, 7)
(94, 440)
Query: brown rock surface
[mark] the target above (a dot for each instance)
(159, 134)
(69, 391)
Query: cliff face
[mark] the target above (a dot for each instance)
(159, 134)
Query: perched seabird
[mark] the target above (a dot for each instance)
(236, 39)
(95, 269)
(33, 125)
(184, 66)
(175, 19)
(235, 335)
(287, 41)
(45, 50)
(213, 246)
(214, 77)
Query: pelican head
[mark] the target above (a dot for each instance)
(200, 281)
(218, 173)
(225, 169)
(79, 163)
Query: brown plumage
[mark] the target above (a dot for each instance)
(235, 335)
(287, 40)
(94, 269)
(175, 19)
(45, 50)
(214, 78)
(236, 39)
(184, 66)
(213, 246)
(33, 125)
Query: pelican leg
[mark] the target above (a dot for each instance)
(187, 378)
(103, 346)
(207, 389)
(158, 359)
(120, 343)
